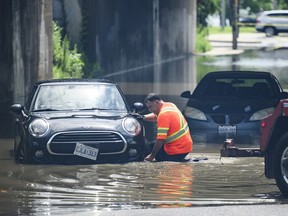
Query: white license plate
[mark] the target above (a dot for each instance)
(86, 151)
(226, 129)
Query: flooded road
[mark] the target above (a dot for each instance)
(68, 189)
(208, 180)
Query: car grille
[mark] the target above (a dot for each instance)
(231, 119)
(106, 142)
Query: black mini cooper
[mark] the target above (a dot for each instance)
(77, 120)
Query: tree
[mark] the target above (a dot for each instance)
(67, 62)
(257, 6)
(205, 8)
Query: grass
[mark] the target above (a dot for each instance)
(228, 30)
(203, 44)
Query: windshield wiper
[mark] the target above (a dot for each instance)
(43, 110)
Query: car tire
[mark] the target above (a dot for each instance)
(281, 165)
(270, 31)
(18, 150)
(19, 154)
(268, 159)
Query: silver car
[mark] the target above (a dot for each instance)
(272, 22)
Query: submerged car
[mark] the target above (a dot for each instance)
(232, 102)
(77, 120)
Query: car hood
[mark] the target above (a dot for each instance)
(95, 120)
(231, 106)
(81, 114)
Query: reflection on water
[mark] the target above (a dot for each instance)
(58, 189)
(46, 189)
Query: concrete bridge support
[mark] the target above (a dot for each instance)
(129, 34)
(25, 52)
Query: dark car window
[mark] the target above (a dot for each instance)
(234, 87)
(78, 96)
(278, 15)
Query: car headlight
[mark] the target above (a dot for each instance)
(39, 127)
(262, 114)
(131, 126)
(194, 114)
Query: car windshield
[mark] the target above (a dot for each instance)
(78, 97)
(234, 88)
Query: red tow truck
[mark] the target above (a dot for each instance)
(273, 146)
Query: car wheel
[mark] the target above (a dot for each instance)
(281, 165)
(268, 159)
(270, 31)
(20, 155)
(19, 152)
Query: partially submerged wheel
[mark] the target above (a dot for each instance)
(19, 151)
(281, 165)
(20, 155)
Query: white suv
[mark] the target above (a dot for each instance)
(272, 22)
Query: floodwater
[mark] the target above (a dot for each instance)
(208, 180)
(69, 189)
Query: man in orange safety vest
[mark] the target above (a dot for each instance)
(173, 141)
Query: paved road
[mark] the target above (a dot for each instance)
(222, 43)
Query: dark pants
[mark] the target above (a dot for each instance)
(163, 156)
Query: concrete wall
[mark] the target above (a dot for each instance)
(31, 39)
(68, 14)
(6, 64)
(25, 52)
(133, 33)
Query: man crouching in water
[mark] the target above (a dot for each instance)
(173, 141)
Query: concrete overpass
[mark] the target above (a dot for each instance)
(119, 35)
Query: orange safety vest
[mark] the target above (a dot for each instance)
(173, 128)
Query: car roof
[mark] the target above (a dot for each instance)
(275, 11)
(73, 80)
(239, 74)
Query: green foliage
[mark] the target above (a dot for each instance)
(283, 4)
(257, 6)
(202, 44)
(67, 62)
(228, 30)
(204, 8)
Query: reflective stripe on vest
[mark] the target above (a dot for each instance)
(174, 109)
(162, 131)
(178, 134)
(183, 127)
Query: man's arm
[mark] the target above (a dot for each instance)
(151, 117)
(155, 150)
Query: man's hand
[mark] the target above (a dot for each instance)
(138, 116)
(149, 158)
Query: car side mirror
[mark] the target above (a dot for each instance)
(17, 108)
(186, 94)
(138, 107)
